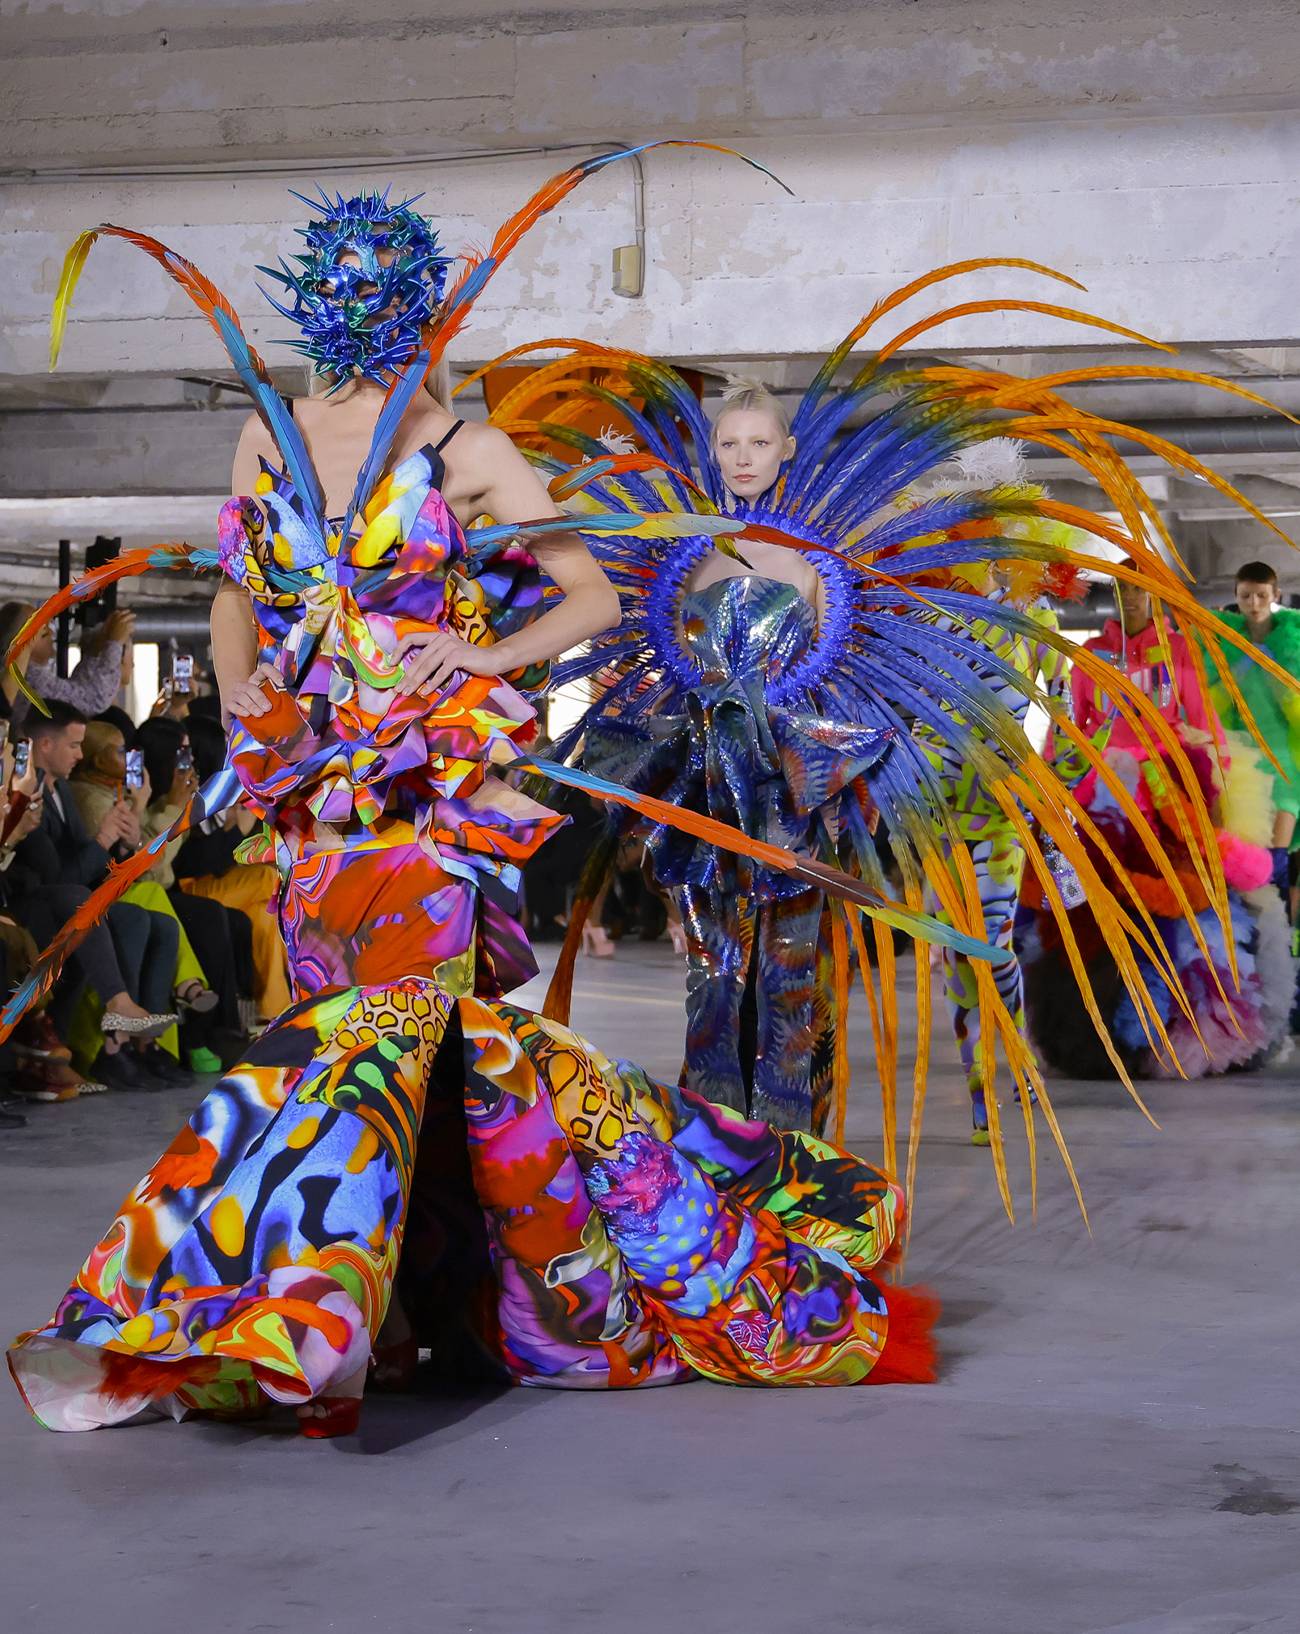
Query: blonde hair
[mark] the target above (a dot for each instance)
(437, 384)
(102, 739)
(754, 396)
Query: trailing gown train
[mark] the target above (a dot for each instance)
(404, 1125)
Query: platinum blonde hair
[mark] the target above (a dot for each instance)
(754, 396)
(437, 384)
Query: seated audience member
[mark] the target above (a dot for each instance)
(98, 781)
(129, 961)
(13, 615)
(35, 1063)
(207, 704)
(223, 933)
(205, 866)
(97, 679)
(178, 694)
(1273, 707)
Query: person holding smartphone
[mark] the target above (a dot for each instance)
(97, 679)
(113, 771)
(211, 1033)
(36, 1061)
(207, 865)
(128, 961)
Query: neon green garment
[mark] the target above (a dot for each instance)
(970, 803)
(1275, 709)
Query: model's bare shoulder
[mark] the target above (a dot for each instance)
(253, 435)
(483, 441)
(255, 444)
(480, 459)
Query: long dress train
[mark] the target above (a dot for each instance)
(606, 1231)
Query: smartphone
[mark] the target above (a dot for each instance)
(134, 769)
(185, 759)
(182, 672)
(23, 757)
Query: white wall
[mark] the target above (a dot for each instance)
(1153, 149)
(1188, 229)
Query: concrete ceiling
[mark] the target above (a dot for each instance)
(148, 457)
(1151, 147)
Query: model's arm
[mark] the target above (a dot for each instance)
(234, 645)
(234, 629)
(588, 602)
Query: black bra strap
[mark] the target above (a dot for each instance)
(440, 446)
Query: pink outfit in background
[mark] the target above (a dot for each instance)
(1160, 665)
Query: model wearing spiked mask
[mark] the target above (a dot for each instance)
(402, 1138)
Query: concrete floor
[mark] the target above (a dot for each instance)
(1112, 1445)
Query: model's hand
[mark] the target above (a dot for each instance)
(247, 699)
(433, 656)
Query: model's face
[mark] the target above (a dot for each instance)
(1135, 607)
(59, 753)
(1254, 602)
(750, 446)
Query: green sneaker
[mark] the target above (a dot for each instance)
(202, 1060)
(979, 1117)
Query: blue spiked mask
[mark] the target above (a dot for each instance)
(370, 281)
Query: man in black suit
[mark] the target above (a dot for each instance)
(129, 960)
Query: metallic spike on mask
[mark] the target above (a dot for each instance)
(371, 280)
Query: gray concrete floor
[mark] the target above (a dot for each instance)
(1112, 1444)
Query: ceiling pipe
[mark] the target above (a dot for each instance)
(295, 165)
(1221, 434)
(187, 621)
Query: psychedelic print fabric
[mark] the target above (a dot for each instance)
(402, 1126)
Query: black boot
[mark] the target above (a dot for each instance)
(153, 1061)
(120, 1072)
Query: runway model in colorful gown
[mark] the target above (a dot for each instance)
(402, 1126)
(812, 710)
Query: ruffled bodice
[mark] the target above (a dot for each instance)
(378, 799)
(332, 609)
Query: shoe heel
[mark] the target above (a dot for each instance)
(392, 1367)
(341, 1417)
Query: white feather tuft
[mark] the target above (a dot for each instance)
(616, 441)
(997, 463)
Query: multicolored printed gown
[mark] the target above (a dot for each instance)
(592, 1227)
